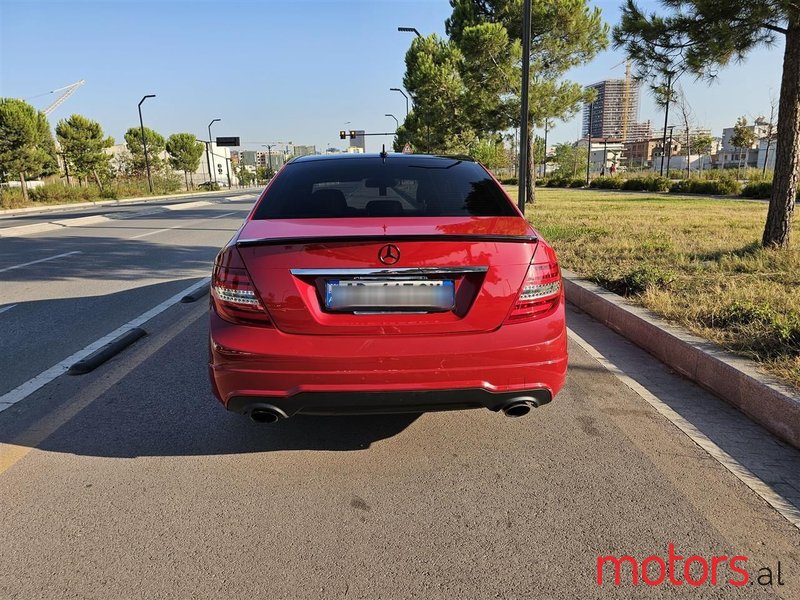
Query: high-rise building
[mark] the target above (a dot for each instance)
(615, 112)
(358, 141)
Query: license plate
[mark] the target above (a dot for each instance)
(391, 295)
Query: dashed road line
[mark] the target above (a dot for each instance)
(39, 381)
(41, 260)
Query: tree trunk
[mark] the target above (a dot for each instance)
(23, 185)
(787, 149)
(191, 178)
(186, 179)
(97, 179)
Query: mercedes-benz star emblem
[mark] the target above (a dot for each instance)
(389, 254)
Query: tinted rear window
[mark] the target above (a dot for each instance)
(396, 187)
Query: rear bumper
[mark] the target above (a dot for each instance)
(411, 401)
(253, 367)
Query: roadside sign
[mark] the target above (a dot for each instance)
(228, 141)
(407, 149)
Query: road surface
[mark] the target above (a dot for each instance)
(132, 482)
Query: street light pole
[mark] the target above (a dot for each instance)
(269, 153)
(669, 160)
(666, 119)
(544, 160)
(524, 144)
(409, 30)
(589, 153)
(144, 143)
(404, 95)
(209, 149)
(396, 122)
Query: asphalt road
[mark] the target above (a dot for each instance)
(132, 482)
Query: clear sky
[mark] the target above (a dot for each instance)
(276, 70)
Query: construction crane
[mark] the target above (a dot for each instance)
(626, 97)
(67, 90)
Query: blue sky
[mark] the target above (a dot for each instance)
(276, 70)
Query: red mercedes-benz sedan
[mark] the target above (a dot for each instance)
(385, 283)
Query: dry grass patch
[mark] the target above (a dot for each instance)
(696, 262)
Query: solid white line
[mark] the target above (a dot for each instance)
(26, 389)
(224, 215)
(5, 308)
(41, 260)
(790, 512)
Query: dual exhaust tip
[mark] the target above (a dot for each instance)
(518, 407)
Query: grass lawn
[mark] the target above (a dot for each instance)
(695, 261)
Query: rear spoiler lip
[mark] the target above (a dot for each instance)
(472, 237)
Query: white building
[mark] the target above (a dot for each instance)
(748, 157)
(766, 154)
(218, 157)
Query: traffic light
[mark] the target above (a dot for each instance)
(342, 135)
(352, 134)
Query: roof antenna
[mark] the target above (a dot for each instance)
(383, 153)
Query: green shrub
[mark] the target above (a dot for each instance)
(510, 180)
(577, 182)
(762, 189)
(606, 183)
(720, 187)
(209, 186)
(649, 183)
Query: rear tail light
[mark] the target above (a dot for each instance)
(541, 290)
(232, 291)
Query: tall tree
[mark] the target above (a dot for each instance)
(742, 139)
(26, 144)
(564, 34)
(185, 153)
(699, 36)
(439, 122)
(83, 143)
(155, 146)
(569, 158)
(702, 144)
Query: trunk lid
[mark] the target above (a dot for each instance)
(294, 263)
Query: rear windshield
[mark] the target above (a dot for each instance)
(365, 187)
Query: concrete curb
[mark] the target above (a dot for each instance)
(734, 379)
(13, 212)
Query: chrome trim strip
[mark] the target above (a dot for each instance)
(389, 271)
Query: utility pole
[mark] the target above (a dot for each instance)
(666, 119)
(669, 160)
(209, 152)
(144, 143)
(544, 160)
(524, 145)
(589, 153)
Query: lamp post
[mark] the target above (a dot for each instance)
(666, 118)
(589, 153)
(525, 142)
(544, 160)
(409, 30)
(208, 153)
(144, 143)
(669, 159)
(404, 96)
(396, 122)
(269, 153)
(605, 155)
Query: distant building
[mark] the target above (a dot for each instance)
(747, 157)
(304, 150)
(766, 152)
(639, 153)
(610, 117)
(359, 140)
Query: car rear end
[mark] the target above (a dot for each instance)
(385, 284)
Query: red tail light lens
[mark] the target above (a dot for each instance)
(233, 294)
(541, 291)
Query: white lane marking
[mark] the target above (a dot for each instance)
(242, 197)
(5, 308)
(26, 389)
(790, 512)
(149, 233)
(41, 260)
